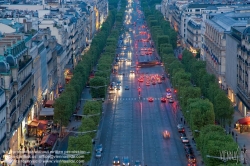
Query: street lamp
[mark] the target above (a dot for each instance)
(243, 150)
(220, 83)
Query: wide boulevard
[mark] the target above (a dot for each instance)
(132, 126)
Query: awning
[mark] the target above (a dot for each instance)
(49, 139)
(244, 121)
(42, 124)
(49, 103)
(34, 123)
(8, 159)
(47, 112)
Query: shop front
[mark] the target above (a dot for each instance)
(243, 125)
(243, 105)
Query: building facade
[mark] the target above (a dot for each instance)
(17, 82)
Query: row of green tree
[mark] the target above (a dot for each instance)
(65, 105)
(82, 142)
(201, 99)
(101, 80)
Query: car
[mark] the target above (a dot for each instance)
(153, 83)
(184, 140)
(132, 71)
(137, 163)
(180, 128)
(125, 161)
(150, 99)
(162, 78)
(148, 83)
(98, 154)
(166, 134)
(183, 135)
(163, 99)
(168, 96)
(168, 90)
(118, 87)
(126, 88)
(140, 79)
(116, 160)
(187, 145)
(171, 100)
(189, 152)
(128, 60)
(191, 159)
(99, 148)
(118, 82)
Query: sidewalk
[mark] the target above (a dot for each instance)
(241, 138)
(61, 144)
(180, 119)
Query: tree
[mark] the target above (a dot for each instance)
(223, 108)
(62, 110)
(201, 114)
(98, 87)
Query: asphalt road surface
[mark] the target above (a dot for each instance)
(131, 125)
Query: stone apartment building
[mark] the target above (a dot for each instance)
(238, 51)
(17, 82)
(215, 42)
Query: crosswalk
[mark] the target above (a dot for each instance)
(126, 75)
(130, 98)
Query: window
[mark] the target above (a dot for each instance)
(2, 82)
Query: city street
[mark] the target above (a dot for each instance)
(131, 125)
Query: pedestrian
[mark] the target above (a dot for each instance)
(232, 133)
(184, 122)
(181, 119)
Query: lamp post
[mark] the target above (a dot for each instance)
(220, 83)
(243, 150)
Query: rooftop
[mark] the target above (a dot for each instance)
(223, 22)
(11, 23)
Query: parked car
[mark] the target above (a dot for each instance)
(184, 140)
(191, 159)
(183, 135)
(180, 128)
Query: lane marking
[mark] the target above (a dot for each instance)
(142, 136)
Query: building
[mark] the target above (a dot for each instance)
(17, 81)
(3, 120)
(194, 34)
(233, 39)
(242, 34)
(215, 42)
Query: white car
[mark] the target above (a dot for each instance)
(98, 154)
(169, 96)
(184, 140)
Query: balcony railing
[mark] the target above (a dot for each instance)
(24, 63)
(2, 140)
(12, 111)
(3, 105)
(12, 124)
(25, 80)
